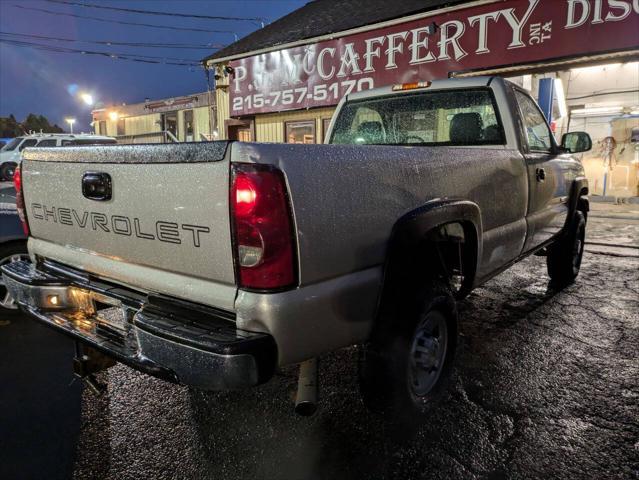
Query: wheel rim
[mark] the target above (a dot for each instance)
(9, 171)
(6, 300)
(428, 353)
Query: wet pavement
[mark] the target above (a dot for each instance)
(546, 385)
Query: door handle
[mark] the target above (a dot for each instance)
(96, 186)
(540, 174)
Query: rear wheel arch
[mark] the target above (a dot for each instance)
(578, 200)
(415, 255)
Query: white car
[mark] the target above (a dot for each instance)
(10, 153)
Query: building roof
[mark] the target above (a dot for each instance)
(322, 17)
(147, 107)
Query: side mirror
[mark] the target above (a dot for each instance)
(576, 142)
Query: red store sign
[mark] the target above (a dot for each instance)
(508, 32)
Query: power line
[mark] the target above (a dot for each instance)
(120, 22)
(73, 50)
(154, 12)
(109, 43)
(112, 55)
(124, 56)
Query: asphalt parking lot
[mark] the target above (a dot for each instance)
(546, 385)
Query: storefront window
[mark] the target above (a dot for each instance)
(188, 125)
(241, 130)
(244, 134)
(170, 123)
(300, 132)
(326, 122)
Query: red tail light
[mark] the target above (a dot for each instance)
(17, 182)
(262, 228)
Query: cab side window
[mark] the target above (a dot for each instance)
(537, 130)
(30, 142)
(47, 143)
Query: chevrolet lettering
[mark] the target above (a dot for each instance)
(169, 232)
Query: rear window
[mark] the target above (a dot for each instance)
(12, 144)
(443, 117)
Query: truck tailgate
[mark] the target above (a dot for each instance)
(168, 214)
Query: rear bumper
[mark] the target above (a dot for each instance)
(164, 337)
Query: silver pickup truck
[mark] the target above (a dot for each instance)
(213, 264)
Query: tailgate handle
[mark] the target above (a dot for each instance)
(96, 186)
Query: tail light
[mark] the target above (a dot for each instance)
(262, 228)
(17, 182)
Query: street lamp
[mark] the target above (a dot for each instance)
(87, 98)
(70, 121)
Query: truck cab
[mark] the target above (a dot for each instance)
(484, 115)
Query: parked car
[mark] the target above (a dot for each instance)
(13, 245)
(10, 153)
(255, 256)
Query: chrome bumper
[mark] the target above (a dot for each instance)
(164, 337)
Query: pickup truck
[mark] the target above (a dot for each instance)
(11, 152)
(214, 264)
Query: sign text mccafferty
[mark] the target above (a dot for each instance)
(498, 34)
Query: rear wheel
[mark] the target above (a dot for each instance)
(564, 256)
(405, 369)
(10, 252)
(7, 170)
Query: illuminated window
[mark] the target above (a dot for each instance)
(300, 132)
(244, 135)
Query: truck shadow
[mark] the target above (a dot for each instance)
(255, 433)
(39, 404)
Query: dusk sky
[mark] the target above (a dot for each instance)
(44, 82)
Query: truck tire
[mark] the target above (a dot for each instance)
(405, 369)
(6, 171)
(564, 256)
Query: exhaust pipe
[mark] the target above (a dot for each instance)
(306, 400)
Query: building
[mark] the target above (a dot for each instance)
(282, 83)
(190, 118)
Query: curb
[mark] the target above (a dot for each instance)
(603, 199)
(613, 216)
(616, 200)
